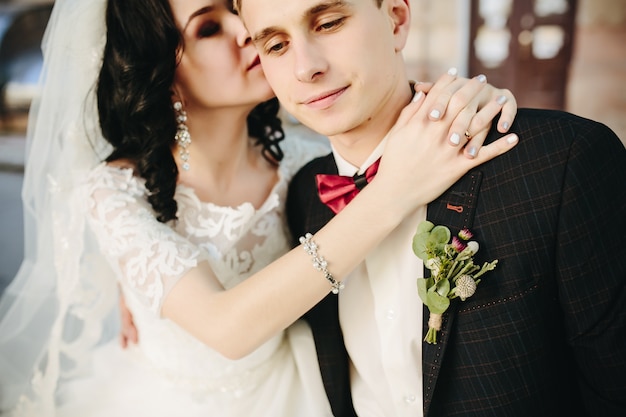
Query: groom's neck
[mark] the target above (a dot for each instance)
(356, 145)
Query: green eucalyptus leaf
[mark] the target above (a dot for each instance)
(420, 247)
(425, 227)
(443, 287)
(436, 303)
(422, 289)
(440, 234)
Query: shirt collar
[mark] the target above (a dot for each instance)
(346, 168)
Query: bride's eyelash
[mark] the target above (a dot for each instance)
(208, 29)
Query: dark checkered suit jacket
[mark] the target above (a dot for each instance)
(545, 333)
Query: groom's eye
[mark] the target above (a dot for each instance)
(277, 47)
(329, 25)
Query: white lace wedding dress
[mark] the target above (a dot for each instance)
(169, 373)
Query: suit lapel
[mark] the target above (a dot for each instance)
(455, 209)
(324, 317)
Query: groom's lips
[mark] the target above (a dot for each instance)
(324, 100)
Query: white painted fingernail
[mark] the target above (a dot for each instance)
(472, 151)
(455, 138)
(417, 96)
(482, 78)
(453, 71)
(512, 139)
(505, 125)
(435, 114)
(501, 100)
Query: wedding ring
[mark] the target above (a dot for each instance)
(467, 135)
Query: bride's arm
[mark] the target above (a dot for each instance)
(450, 97)
(418, 165)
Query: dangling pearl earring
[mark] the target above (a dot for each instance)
(182, 138)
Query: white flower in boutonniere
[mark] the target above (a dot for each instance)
(452, 269)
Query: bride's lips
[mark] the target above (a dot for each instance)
(324, 100)
(255, 63)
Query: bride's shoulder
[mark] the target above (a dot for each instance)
(121, 164)
(119, 175)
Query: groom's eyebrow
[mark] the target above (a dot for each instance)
(322, 7)
(264, 34)
(308, 15)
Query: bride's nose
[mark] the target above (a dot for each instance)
(243, 37)
(244, 40)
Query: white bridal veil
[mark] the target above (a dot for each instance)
(62, 301)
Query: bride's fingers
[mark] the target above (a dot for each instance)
(422, 86)
(485, 115)
(441, 93)
(474, 143)
(470, 128)
(459, 134)
(509, 110)
(410, 110)
(456, 96)
(472, 124)
(499, 147)
(128, 331)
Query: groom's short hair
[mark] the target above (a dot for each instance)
(237, 4)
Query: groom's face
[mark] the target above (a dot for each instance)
(332, 63)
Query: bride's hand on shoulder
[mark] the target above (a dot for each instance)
(425, 155)
(474, 112)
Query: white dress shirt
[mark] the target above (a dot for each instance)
(381, 318)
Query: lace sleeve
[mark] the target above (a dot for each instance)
(148, 256)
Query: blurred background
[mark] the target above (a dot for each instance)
(559, 54)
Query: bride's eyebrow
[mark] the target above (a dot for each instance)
(199, 12)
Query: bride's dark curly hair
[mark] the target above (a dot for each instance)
(135, 102)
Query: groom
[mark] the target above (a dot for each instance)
(545, 333)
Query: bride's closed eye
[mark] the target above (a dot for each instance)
(208, 29)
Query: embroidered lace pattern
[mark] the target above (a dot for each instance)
(149, 257)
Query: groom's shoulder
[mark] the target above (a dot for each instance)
(554, 132)
(554, 146)
(545, 123)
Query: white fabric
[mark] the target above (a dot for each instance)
(281, 378)
(44, 320)
(59, 322)
(169, 370)
(381, 318)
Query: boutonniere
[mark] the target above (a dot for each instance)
(452, 269)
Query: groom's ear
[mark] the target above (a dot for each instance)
(399, 13)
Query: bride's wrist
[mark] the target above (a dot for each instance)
(393, 201)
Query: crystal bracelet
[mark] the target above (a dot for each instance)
(319, 263)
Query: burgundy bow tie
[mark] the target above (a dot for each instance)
(336, 191)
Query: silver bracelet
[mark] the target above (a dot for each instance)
(319, 263)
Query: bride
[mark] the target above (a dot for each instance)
(157, 165)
